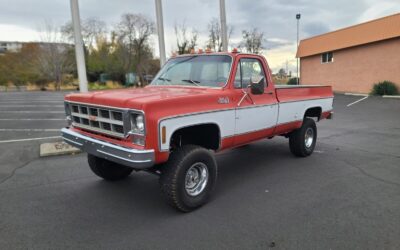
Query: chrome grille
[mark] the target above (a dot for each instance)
(102, 120)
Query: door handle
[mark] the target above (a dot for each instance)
(269, 93)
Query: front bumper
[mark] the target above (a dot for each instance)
(135, 158)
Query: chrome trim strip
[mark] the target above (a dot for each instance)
(108, 144)
(134, 158)
(118, 157)
(74, 142)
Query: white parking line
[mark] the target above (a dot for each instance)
(33, 106)
(29, 129)
(31, 119)
(348, 105)
(33, 111)
(27, 100)
(30, 139)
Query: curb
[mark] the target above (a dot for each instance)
(57, 148)
(356, 94)
(391, 96)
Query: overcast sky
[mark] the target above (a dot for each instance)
(20, 19)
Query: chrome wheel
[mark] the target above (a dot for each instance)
(309, 137)
(196, 179)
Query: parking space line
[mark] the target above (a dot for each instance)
(33, 111)
(30, 139)
(28, 106)
(348, 105)
(30, 129)
(31, 119)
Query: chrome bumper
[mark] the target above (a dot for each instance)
(137, 159)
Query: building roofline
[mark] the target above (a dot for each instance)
(350, 27)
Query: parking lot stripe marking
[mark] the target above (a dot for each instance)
(31, 119)
(28, 106)
(348, 105)
(30, 129)
(33, 111)
(27, 100)
(30, 139)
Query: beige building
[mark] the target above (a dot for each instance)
(354, 58)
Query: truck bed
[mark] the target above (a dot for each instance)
(295, 100)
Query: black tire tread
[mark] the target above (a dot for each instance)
(108, 170)
(169, 177)
(296, 140)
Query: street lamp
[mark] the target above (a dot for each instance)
(298, 16)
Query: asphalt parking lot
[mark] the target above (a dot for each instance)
(345, 196)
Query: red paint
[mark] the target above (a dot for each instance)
(159, 102)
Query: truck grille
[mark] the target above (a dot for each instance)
(102, 120)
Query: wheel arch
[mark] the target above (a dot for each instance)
(313, 111)
(189, 129)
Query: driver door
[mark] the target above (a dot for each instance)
(255, 115)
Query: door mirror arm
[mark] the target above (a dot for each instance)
(246, 94)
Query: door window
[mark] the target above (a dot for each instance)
(248, 68)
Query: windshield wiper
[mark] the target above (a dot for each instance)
(191, 81)
(164, 79)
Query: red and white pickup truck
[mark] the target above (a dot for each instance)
(197, 104)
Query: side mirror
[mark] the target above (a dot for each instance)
(257, 85)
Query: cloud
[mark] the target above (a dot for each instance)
(276, 18)
(313, 29)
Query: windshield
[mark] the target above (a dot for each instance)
(196, 70)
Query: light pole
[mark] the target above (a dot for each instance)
(298, 16)
(224, 35)
(80, 55)
(160, 31)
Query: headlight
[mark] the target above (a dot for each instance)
(140, 123)
(137, 121)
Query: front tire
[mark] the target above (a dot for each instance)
(189, 177)
(302, 141)
(108, 170)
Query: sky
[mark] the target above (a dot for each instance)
(21, 20)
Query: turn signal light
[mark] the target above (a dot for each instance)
(164, 135)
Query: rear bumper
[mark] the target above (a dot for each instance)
(137, 159)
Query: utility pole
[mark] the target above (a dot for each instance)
(298, 16)
(79, 53)
(160, 31)
(224, 34)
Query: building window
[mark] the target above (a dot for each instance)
(327, 57)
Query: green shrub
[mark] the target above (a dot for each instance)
(292, 81)
(385, 88)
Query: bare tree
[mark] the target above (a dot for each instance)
(92, 31)
(252, 41)
(214, 34)
(133, 33)
(55, 57)
(185, 40)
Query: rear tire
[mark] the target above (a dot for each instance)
(108, 170)
(302, 141)
(189, 177)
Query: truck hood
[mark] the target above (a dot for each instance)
(136, 97)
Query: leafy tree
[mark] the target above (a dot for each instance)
(282, 73)
(93, 29)
(133, 33)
